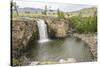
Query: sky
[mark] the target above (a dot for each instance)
(51, 5)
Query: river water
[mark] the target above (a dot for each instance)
(55, 50)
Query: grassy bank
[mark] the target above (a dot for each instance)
(84, 24)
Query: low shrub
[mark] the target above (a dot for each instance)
(84, 24)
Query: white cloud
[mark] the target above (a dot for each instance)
(50, 5)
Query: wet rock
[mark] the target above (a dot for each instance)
(62, 61)
(69, 60)
(34, 63)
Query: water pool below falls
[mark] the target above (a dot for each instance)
(54, 50)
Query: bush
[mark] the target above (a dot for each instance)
(84, 24)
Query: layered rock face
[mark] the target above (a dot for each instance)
(57, 28)
(22, 31)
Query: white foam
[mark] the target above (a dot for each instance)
(43, 41)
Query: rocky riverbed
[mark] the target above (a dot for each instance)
(91, 40)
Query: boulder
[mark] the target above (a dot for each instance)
(69, 60)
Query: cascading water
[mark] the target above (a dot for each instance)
(43, 36)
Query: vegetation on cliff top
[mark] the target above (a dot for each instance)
(84, 24)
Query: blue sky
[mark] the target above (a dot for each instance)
(51, 5)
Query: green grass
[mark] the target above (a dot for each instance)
(20, 14)
(84, 24)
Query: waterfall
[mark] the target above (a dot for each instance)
(42, 27)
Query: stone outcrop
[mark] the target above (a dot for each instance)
(22, 31)
(57, 28)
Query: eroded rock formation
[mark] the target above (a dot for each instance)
(22, 31)
(57, 28)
